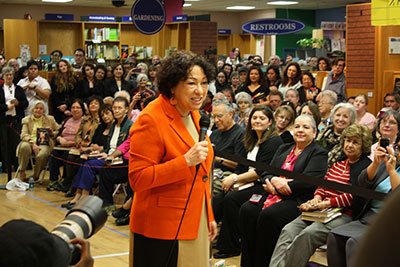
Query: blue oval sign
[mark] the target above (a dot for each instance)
(148, 16)
(273, 26)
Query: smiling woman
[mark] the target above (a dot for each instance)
(164, 154)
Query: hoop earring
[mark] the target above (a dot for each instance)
(173, 101)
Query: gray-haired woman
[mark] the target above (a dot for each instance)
(38, 131)
(245, 103)
(12, 105)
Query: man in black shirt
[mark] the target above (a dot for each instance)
(227, 138)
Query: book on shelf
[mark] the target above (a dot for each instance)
(322, 219)
(322, 213)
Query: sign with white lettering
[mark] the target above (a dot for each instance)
(273, 26)
(148, 16)
(101, 18)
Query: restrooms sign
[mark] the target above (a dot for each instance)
(273, 26)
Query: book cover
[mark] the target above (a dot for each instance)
(43, 136)
(321, 218)
(322, 213)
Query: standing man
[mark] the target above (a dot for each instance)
(336, 80)
(79, 59)
(35, 87)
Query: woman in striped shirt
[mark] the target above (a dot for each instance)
(299, 239)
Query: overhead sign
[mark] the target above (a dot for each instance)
(273, 26)
(385, 13)
(101, 18)
(148, 16)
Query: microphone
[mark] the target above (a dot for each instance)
(204, 124)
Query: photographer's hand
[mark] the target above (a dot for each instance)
(86, 258)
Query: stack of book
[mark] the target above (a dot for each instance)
(324, 216)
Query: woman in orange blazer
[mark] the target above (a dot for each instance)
(164, 152)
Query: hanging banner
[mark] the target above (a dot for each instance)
(273, 26)
(148, 16)
(385, 12)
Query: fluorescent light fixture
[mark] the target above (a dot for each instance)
(240, 7)
(186, 5)
(282, 3)
(192, 0)
(57, 1)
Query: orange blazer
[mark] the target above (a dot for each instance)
(160, 176)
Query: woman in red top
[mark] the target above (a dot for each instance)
(299, 239)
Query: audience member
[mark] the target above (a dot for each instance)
(55, 56)
(228, 69)
(255, 85)
(364, 117)
(274, 60)
(65, 88)
(388, 126)
(142, 92)
(311, 109)
(260, 142)
(12, 104)
(79, 59)
(235, 81)
(35, 87)
(323, 64)
(292, 95)
(65, 139)
(117, 82)
(309, 91)
(275, 99)
(382, 175)
(156, 60)
(90, 85)
(83, 140)
(392, 100)
(273, 76)
(336, 81)
(299, 239)
(326, 103)
(222, 81)
(314, 62)
(118, 133)
(284, 117)
(342, 115)
(261, 222)
(245, 104)
(291, 78)
(289, 59)
(234, 57)
(38, 131)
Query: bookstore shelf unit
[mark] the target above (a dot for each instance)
(109, 37)
(246, 42)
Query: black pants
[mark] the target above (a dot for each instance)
(110, 177)
(55, 163)
(229, 235)
(71, 169)
(260, 229)
(154, 252)
(9, 139)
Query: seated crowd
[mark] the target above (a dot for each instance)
(278, 117)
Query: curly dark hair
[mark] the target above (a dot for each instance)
(176, 68)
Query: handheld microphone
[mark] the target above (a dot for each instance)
(204, 124)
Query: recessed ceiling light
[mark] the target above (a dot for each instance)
(240, 7)
(186, 5)
(282, 3)
(57, 1)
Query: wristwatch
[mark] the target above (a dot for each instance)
(235, 179)
(221, 160)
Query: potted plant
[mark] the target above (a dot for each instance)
(310, 42)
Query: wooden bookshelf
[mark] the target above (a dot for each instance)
(67, 36)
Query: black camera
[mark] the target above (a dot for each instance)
(142, 95)
(84, 220)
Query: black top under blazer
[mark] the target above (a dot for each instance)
(313, 161)
(22, 104)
